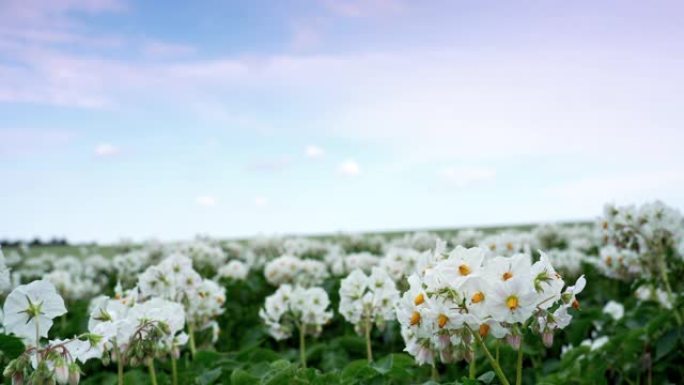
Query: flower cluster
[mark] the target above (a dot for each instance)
(288, 269)
(637, 241)
(175, 279)
(463, 296)
(399, 262)
(296, 307)
(368, 300)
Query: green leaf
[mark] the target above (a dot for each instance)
(487, 377)
(209, 377)
(241, 377)
(666, 343)
(11, 346)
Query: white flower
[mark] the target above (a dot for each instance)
(29, 309)
(368, 298)
(513, 300)
(614, 309)
(235, 269)
(290, 307)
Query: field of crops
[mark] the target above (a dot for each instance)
(596, 303)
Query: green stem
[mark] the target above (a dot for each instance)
(498, 345)
(302, 345)
(174, 371)
(495, 364)
(435, 373)
(191, 335)
(119, 365)
(518, 371)
(369, 348)
(670, 296)
(36, 319)
(472, 367)
(153, 372)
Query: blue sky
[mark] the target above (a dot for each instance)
(141, 119)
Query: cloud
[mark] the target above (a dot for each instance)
(314, 152)
(260, 201)
(29, 141)
(462, 176)
(270, 165)
(623, 188)
(206, 200)
(363, 8)
(157, 49)
(106, 150)
(349, 168)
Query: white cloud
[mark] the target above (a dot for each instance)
(106, 150)
(349, 168)
(462, 176)
(156, 48)
(260, 201)
(314, 152)
(206, 200)
(621, 188)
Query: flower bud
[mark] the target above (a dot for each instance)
(514, 340)
(547, 338)
(18, 378)
(61, 372)
(74, 374)
(10, 369)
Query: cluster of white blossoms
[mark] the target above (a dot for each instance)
(342, 265)
(637, 240)
(5, 276)
(463, 295)
(29, 312)
(288, 269)
(650, 293)
(204, 254)
(399, 263)
(175, 279)
(507, 243)
(234, 270)
(296, 307)
(367, 300)
(133, 330)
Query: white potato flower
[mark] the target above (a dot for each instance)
(29, 310)
(367, 300)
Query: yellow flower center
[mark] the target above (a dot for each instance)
(478, 297)
(507, 275)
(609, 261)
(464, 269)
(575, 304)
(415, 318)
(442, 320)
(512, 302)
(419, 299)
(484, 330)
(509, 246)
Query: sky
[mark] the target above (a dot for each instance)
(145, 119)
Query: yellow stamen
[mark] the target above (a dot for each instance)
(507, 275)
(609, 261)
(512, 302)
(509, 246)
(415, 318)
(484, 330)
(420, 298)
(464, 269)
(442, 320)
(478, 297)
(575, 304)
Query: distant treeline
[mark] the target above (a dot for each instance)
(34, 242)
